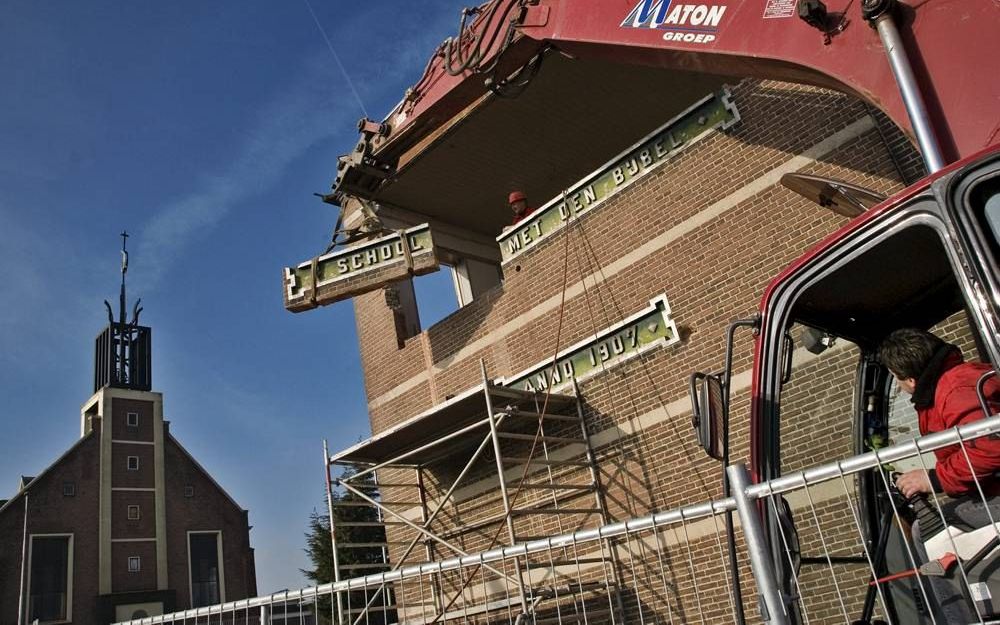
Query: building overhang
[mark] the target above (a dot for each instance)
(569, 120)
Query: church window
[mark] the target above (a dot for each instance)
(50, 581)
(204, 548)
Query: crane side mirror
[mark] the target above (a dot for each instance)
(708, 407)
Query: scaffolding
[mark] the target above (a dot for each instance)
(529, 473)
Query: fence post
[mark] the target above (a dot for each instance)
(265, 614)
(760, 560)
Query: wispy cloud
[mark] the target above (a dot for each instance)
(312, 109)
(286, 127)
(48, 281)
(25, 280)
(55, 279)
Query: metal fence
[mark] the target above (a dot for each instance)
(673, 566)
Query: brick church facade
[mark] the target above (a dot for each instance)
(125, 523)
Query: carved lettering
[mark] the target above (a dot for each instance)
(541, 382)
(554, 376)
(617, 346)
(568, 369)
(711, 112)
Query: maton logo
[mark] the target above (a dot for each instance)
(694, 23)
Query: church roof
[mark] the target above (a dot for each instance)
(27, 480)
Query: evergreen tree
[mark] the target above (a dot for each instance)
(320, 549)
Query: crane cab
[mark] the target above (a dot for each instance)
(926, 259)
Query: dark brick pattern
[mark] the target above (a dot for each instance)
(50, 512)
(711, 275)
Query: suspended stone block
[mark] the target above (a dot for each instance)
(348, 272)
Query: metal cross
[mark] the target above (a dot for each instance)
(124, 236)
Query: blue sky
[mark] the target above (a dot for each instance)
(203, 129)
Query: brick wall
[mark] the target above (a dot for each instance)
(124, 527)
(124, 580)
(120, 430)
(50, 512)
(709, 229)
(209, 509)
(699, 177)
(122, 476)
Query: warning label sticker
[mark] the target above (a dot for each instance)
(980, 591)
(779, 8)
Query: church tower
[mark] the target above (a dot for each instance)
(122, 351)
(132, 522)
(126, 523)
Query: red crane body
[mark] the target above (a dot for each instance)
(952, 45)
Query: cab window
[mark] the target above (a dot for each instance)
(817, 397)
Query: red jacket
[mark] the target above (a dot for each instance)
(955, 402)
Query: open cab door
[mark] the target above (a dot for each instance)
(928, 261)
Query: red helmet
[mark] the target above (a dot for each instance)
(516, 196)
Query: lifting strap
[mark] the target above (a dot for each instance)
(313, 266)
(406, 250)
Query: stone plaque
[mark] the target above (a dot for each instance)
(711, 112)
(347, 272)
(650, 328)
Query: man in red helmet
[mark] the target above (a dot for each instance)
(518, 202)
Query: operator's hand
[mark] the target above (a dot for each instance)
(913, 483)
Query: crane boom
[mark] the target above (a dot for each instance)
(951, 46)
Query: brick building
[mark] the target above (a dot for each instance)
(661, 218)
(126, 523)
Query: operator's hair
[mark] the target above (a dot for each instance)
(907, 351)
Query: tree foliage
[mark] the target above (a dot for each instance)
(318, 545)
(319, 549)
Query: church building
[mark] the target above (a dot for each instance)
(126, 523)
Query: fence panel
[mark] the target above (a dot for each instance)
(807, 538)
